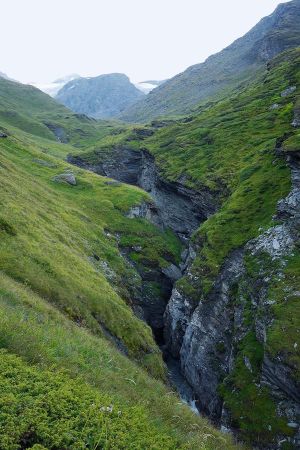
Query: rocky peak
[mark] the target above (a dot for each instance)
(99, 97)
(225, 70)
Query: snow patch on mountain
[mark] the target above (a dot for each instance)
(53, 88)
(148, 86)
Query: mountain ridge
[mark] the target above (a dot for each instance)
(224, 70)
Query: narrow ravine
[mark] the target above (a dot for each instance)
(185, 391)
(199, 340)
(176, 207)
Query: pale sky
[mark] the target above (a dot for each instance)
(42, 40)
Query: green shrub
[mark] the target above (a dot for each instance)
(42, 409)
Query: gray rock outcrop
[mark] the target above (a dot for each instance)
(206, 336)
(67, 177)
(177, 207)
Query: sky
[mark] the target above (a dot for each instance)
(43, 40)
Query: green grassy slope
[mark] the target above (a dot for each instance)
(228, 147)
(50, 232)
(236, 149)
(65, 296)
(27, 108)
(66, 411)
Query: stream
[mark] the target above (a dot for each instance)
(184, 390)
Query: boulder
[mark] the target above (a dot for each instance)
(274, 106)
(288, 91)
(42, 162)
(68, 177)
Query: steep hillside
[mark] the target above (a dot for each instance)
(76, 261)
(232, 322)
(26, 108)
(222, 72)
(99, 97)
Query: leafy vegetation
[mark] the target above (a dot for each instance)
(35, 330)
(283, 335)
(42, 409)
(252, 409)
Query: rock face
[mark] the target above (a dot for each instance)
(174, 206)
(288, 91)
(58, 132)
(99, 97)
(203, 336)
(148, 301)
(177, 207)
(224, 70)
(208, 337)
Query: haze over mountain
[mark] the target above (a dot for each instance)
(53, 88)
(99, 97)
(223, 71)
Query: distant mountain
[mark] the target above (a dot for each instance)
(100, 97)
(53, 88)
(223, 71)
(148, 86)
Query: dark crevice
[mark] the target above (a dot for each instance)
(174, 206)
(177, 207)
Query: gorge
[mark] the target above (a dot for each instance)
(200, 340)
(175, 207)
(150, 249)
